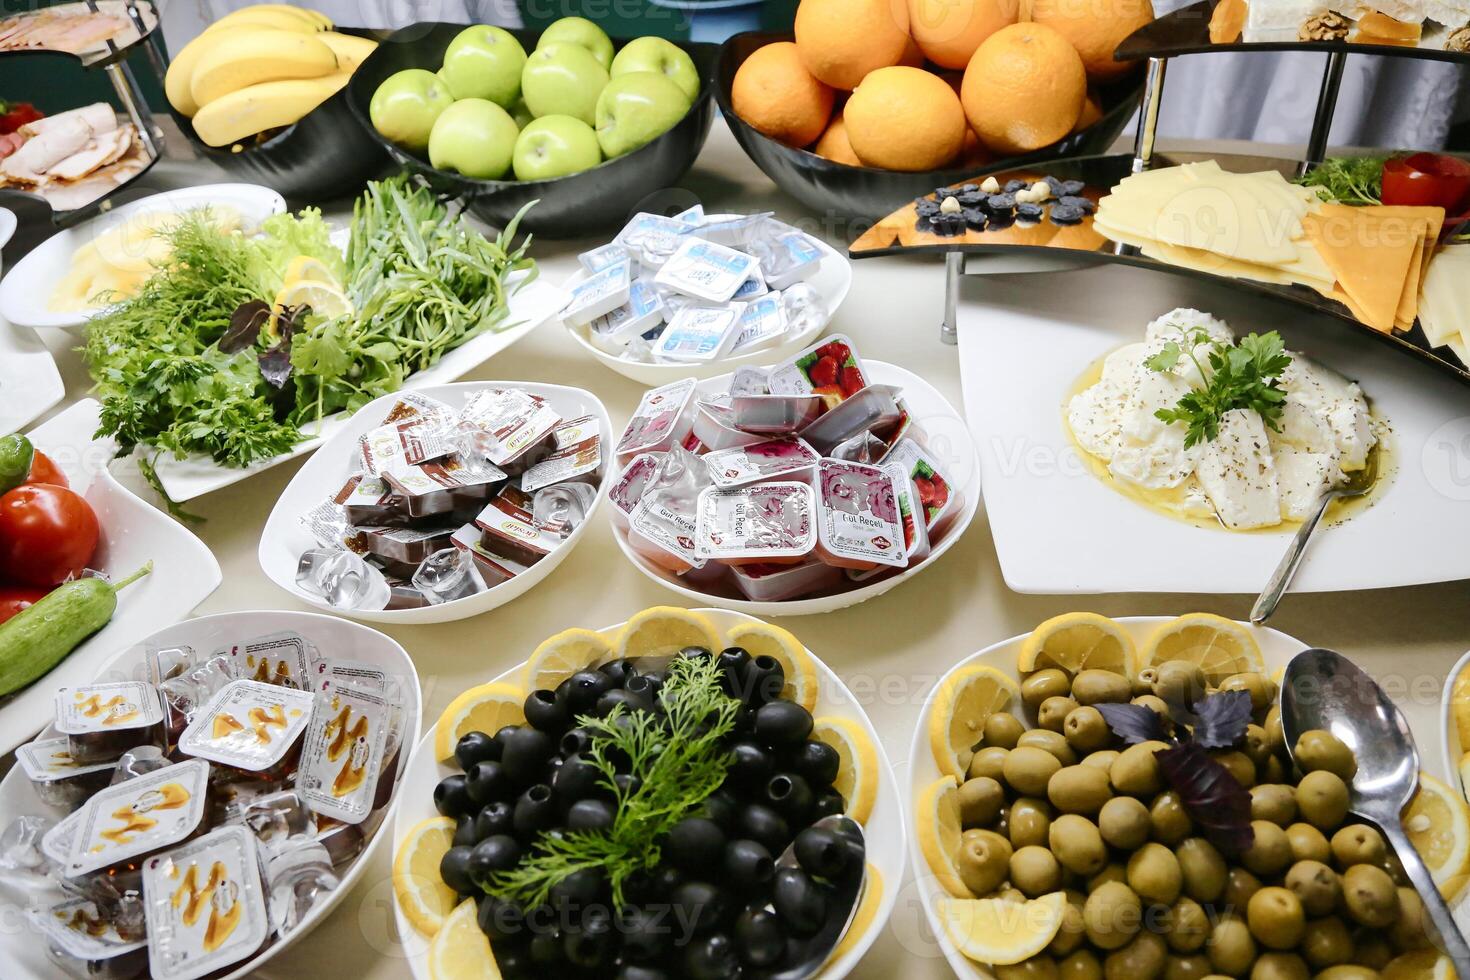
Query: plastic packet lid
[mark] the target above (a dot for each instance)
(706, 270)
(49, 759)
(599, 293)
(699, 333)
(139, 816)
(653, 421)
(81, 930)
(831, 368)
(206, 905)
(343, 753)
(117, 706)
(767, 520)
(248, 725)
(858, 513)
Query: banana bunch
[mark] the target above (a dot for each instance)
(260, 68)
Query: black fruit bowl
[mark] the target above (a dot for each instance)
(867, 194)
(572, 206)
(325, 154)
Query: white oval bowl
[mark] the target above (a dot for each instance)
(1451, 748)
(19, 946)
(883, 833)
(26, 291)
(284, 539)
(949, 440)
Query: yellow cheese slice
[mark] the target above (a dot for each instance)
(1369, 255)
(1193, 258)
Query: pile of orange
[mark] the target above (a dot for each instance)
(922, 84)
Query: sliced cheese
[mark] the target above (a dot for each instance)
(1369, 255)
(1444, 299)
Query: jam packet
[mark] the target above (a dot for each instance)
(858, 525)
(769, 460)
(699, 333)
(714, 427)
(663, 419)
(748, 380)
(138, 817)
(248, 725)
(509, 529)
(762, 323)
(767, 522)
(390, 447)
(643, 311)
(488, 569)
(205, 904)
(627, 489)
(875, 409)
(403, 545)
(57, 778)
(165, 661)
(276, 658)
(775, 414)
(577, 456)
(770, 582)
(940, 501)
(915, 530)
(367, 501)
(102, 721)
(602, 292)
(662, 529)
(830, 368)
(342, 755)
(330, 674)
(706, 270)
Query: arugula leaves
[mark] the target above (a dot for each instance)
(1244, 375)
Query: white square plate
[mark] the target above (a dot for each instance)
(29, 380)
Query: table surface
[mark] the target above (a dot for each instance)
(890, 650)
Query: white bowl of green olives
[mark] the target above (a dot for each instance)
(1454, 702)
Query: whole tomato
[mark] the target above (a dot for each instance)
(14, 598)
(47, 534)
(43, 470)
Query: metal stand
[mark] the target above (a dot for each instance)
(954, 270)
(1148, 114)
(136, 106)
(1326, 106)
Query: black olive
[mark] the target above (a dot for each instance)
(591, 943)
(744, 720)
(577, 779)
(700, 904)
(799, 902)
(720, 806)
(579, 892)
(635, 971)
(494, 819)
(764, 678)
(665, 879)
(535, 810)
(711, 958)
(526, 755)
(748, 865)
(817, 762)
(695, 653)
(513, 960)
(474, 747)
(627, 783)
(619, 670)
(503, 737)
(640, 686)
(545, 712)
(695, 844)
(791, 795)
(576, 741)
(609, 700)
(454, 870)
(751, 764)
(657, 678)
(503, 922)
(646, 932)
(823, 853)
(759, 937)
(850, 829)
(828, 803)
(584, 688)
(763, 824)
(731, 665)
(464, 833)
(498, 853)
(488, 782)
(782, 723)
(546, 950)
(590, 815)
(452, 797)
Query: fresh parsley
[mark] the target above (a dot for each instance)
(1244, 375)
(1347, 180)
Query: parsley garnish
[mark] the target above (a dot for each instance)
(1244, 375)
(1347, 180)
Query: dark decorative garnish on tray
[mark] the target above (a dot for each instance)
(952, 211)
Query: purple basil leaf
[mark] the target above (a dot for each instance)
(1219, 806)
(245, 325)
(1133, 723)
(1221, 718)
(275, 364)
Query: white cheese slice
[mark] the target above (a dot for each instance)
(1281, 15)
(1095, 417)
(1450, 13)
(1302, 478)
(1150, 452)
(1238, 473)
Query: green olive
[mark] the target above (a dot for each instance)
(1189, 926)
(1052, 715)
(1370, 949)
(1179, 682)
(1239, 764)
(1276, 918)
(981, 800)
(984, 861)
(1040, 967)
(1044, 684)
(1308, 843)
(1101, 687)
(1143, 681)
(1124, 822)
(1086, 730)
(1231, 948)
(1275, 737)
(1102, 759)
(1358, 844)
(1072, 933)
(1035, 871)
(1112, 915)
(1029, 822)
(1081, 965)
(1153, 872)
(1112, 871)
(1273, 771)
(1261, 688)
(1370, 895)
(1001, 730)
(1348, 971)
(988, 761)
(1280, 966)
(1256, 745)
(1079, 789)
(1321, 750)
(1326, 942)
(1169, 820)
(1077, 844)
(1195, 967)
(1408, 931)
(1275, 802)
(1240, 885)
(1203, 869)
(1028, 769)
(1049, 741)
(1269, 852)
(1315, 886)
(1322, 798)
(1153, 703)
(1141, 959)
(1136, 772)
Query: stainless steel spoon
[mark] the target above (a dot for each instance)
(805, 957)
(1324, 690)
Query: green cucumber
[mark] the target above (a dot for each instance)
(38, 638)
(16, 453)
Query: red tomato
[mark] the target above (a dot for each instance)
(1426, 180)
(14, 598)
(47, 534)
(43, 470)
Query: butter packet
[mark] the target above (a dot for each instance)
(275, 658)
(761, 323)
(602, 292)
(644, 310)
(706, 270)
(91, 708)
(81, 930)
(602, 257)
(138, 817)
(248, 725)
(652, 238)
(205, 905)
(342, 754)
(699, 333)
(738, 230)
(790, 259)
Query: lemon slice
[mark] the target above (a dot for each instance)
(1460, 707)
(1437, 820)
(1423, 964)
(1078, 641)
(663, 631)
(562, 656)
(961, 705)
(937, 814)
(863, 918)
(486, 708)
(420, 892)
(857, 772)
(460, 950)
(325, 299)
(765, 640)
(1000, 932)
(309, 267)
(1219, 646)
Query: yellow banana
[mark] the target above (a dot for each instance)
(315, 15)
(285, 19)
(251, 57)
(180, 76)
(268, 105)
(350, 50)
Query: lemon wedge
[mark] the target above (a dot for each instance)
(420, 892)
(765, 640)
(324, 298)
(961, 704)
(1219, 646)
(663, 631)
(563, 655)
(1078, 641)
(1437, 820)
(486, 708)
(863, 918)
(937, 816)
(1423, 964)
(460, 950)
(309, 267)
(857, 772)
(1001, 932)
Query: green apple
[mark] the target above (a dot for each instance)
(554, 146)
(580, 30)
(484, 62)
(563, 80)
(475, 137)
(406, 105)
(658, 55)
(520, 113)
(636, 108)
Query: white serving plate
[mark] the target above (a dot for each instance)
(949, 443)
(1024, 342)
(22, 956)
(883, 833)
(1276, 649)
(284, 539)
(832, 279)
(132, 532)
(26, 292)
(29, 381)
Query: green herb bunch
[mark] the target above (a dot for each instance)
(1243, 375)
(1347, 180)
(677, 760)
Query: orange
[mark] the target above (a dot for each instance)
(1095, 28)
(1091, 112)
(774, 93)
(1023, 89)
(842, 40)
(949, 31)
(913, 55)
(973, 153)
(904, 118)
(834, 144)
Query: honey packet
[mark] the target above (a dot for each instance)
(248, 725)
(205, 904)
(138, 817)
(342, 755)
